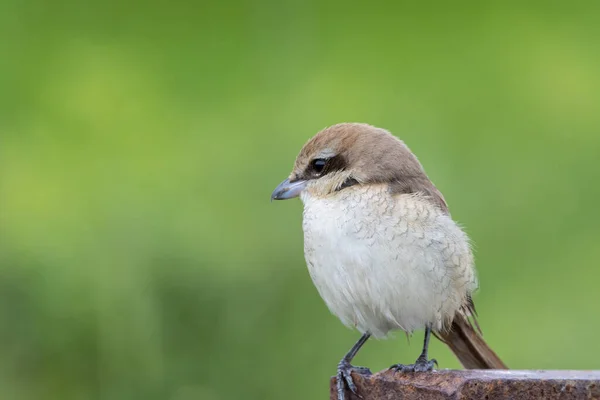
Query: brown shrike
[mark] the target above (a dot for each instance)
(381, 247)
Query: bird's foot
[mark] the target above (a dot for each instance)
(421, 365)
(344, 376)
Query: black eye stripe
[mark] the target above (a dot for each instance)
(335, 163)
(319, 167)
(349, 182)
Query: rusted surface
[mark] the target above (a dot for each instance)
(475, 384)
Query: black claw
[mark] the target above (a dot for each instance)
(421, 365)
(351, 384)
(344, 374)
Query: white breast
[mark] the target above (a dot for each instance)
(384, 262)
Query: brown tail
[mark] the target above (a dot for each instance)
(468, 345)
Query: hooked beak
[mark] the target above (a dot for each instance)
(288, 190)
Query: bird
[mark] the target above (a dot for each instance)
(382, 248)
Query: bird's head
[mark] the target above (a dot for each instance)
(349, 154)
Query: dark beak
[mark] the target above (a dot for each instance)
(288, 190)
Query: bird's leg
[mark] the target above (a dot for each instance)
(422, 364)
(344, 369)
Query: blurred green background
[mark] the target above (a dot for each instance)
(140, 257)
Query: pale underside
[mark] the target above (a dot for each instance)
(385, 262)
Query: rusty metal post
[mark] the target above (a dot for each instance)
(475, 384)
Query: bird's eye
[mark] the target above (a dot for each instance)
(319, 165)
